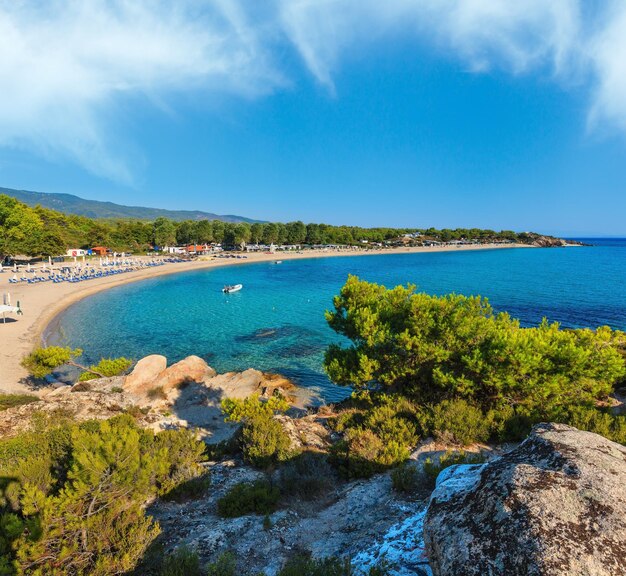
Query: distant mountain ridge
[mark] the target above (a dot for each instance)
(70, 204)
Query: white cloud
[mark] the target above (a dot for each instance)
(67, 66)
(607, 53)
(483, 33)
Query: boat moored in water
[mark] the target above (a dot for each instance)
(233, 288)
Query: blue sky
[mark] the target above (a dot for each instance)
(424, 113)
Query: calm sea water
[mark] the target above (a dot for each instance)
(276, 323)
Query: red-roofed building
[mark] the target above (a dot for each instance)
(198, 249)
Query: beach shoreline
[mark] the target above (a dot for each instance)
(43, 302)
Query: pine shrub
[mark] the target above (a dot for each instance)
(259, 497)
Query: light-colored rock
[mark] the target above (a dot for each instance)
(237, 384)
(145, 372)
(555, 505)
(190, 369)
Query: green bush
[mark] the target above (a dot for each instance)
(259, 497)
(304, 565)
(264, 442)
(405, 478)
(182, 455)
(378, 432)
(392, 419)
(72, 500)
(12, 400)
(263, 439)
(191, 489)
(107, 367)
(432, 348)
(460, 422)
(591, 419)
(42, 361)
(183, 562)
(432, 467)
(307, 476)
(225, 565)
(357, 454)
(240, 410)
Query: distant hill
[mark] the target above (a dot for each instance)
(70, 204)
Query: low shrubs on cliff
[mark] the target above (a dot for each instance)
(106, 367)
(181, 562)
(459, 422)
(259, 497)
(12, 400)
(304, 565)
(434, 466)
(609, 425)
(378, 432)
(72, 497)
(43, 361)
(405, 479)
(263, 439)
(307, 476)
(224, 565)
(186, 562)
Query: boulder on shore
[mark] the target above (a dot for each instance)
(145, 372)
(555, 505)
(190, 369)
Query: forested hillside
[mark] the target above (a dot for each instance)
(39, 231)
(70, 204)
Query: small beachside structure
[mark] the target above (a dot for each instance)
(197, 249)
(76, 252)
(100, 250)
(173, 249)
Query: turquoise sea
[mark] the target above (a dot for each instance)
(276, 323)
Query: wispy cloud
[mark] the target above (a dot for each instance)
(67, 67)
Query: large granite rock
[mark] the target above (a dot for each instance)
(190, 369)
(145, 372)
(556, 505)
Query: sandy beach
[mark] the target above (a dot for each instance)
(41, 302)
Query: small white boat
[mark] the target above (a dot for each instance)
(233, 288)
(278, 262)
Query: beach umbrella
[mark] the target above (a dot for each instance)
(50, 260)
(5, 309)
(14, 267)
(28, 267)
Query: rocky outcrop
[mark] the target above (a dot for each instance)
(548, 242)
(555, 505)
(145, 372)
(151, 378)
(190, 369)
(187, 394)
(249, 382)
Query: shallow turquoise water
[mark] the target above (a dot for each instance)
(276, 323)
